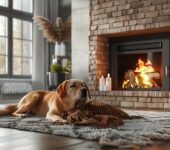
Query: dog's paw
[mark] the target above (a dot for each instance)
(19, 115)
(24, 115)
(61, 121)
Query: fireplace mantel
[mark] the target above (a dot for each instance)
(136, 32)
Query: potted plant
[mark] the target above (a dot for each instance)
(56, 75)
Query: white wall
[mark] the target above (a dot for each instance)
(80, 25)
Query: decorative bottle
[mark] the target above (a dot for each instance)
(101, 83)
(108, 83)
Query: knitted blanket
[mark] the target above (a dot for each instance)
(98, 114)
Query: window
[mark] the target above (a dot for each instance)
(3, 45)
(16, 38)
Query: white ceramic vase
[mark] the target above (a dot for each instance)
(60, 50)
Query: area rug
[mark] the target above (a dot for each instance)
(154, 126)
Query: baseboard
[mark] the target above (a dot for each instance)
(13, 98)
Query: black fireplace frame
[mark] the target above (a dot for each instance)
(131, 45)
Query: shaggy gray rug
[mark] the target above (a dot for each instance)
(154, 126)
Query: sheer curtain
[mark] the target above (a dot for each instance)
(42, 50)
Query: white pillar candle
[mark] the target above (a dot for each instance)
(64, 62)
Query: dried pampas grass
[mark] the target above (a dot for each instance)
(60, 32)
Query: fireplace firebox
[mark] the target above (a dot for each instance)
(140, 64)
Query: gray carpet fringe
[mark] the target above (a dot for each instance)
(154, 126)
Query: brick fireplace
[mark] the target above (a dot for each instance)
(114, 22)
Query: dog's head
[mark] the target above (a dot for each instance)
(74, 90)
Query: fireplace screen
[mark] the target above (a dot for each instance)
(141, 65)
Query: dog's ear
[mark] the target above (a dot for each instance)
(88, 91)
(61, 89)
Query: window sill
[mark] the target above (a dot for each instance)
(15, 79)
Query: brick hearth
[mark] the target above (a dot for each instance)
(120, 18)
(135, 99)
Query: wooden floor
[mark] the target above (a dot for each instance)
(11, 139)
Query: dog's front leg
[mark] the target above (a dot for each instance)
(51, 115)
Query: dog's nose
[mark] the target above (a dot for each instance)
(84, 93)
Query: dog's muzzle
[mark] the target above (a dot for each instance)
(83, 93)
(80, 103)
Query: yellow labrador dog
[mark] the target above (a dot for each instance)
(50, 103)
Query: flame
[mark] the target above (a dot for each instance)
(141, 75)
(144, 67)
(125, 82)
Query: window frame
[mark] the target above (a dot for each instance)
(11, 13)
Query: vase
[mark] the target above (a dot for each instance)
(60, 49)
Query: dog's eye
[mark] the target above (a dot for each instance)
(73, 86)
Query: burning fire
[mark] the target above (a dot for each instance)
(142, 77)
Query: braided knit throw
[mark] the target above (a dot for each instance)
(98, 114)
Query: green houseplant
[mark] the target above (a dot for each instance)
(58, 74)
(56, 68)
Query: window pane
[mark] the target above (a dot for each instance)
(3, 46)
(27, 49)
(17, 28)
(17, 4)
(3, 64)
(17, 67)
(3, 26)
(17, 48)
(4, 3)
(22, 47)
(27, 67)
(27, 30)
(27, 5)
(23, 5)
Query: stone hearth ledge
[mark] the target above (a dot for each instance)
(135, 99)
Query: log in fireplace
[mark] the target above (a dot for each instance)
(140, 63)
